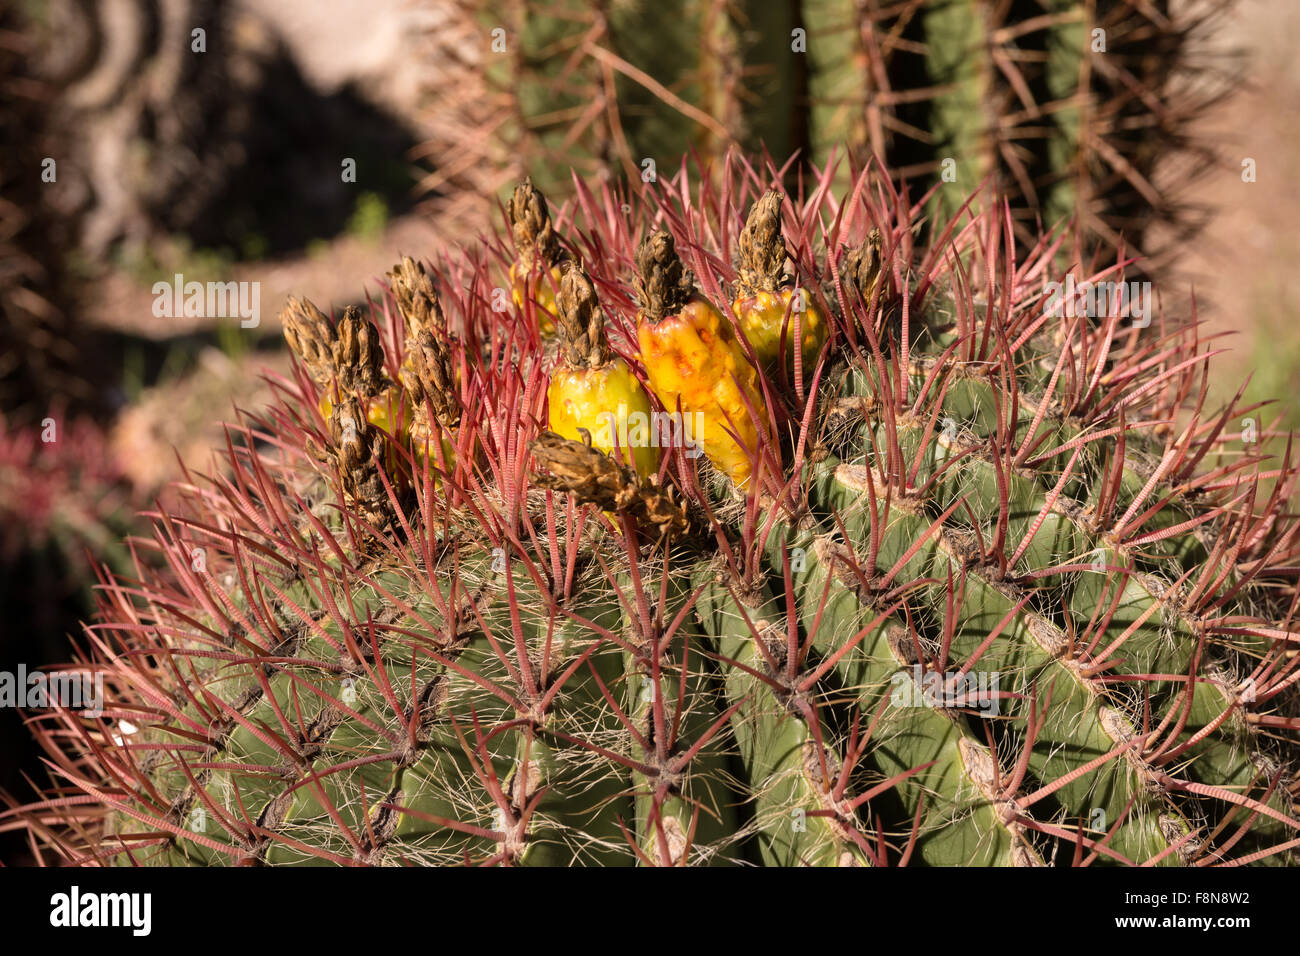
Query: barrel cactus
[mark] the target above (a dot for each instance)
(991, 586)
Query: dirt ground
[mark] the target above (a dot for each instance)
(384, 64)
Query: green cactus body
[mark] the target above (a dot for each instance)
(994, 596)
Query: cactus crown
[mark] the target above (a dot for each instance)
(1000, 588)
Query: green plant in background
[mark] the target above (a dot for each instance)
(232, 339)
(369, 218)
(161, 262)
(973, 600)
(1275, 358)
(253, 247)
(1268, 419)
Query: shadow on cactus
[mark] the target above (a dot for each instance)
(982, 583)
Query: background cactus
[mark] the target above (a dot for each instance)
(37, 357)
(1074, 107)
(65, 510)
(999, 590)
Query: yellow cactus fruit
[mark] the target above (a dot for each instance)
(692, 356)
(594, 390)
(765, 302)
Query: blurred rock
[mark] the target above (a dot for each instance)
(181, 418)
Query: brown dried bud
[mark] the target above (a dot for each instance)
(349, 430)
(862, 266)
(594, 478)
(582, 321)
(311, 337)
(357, 445)
(663, 283)
(358, 356)
(530, 222)
(433, 378)
(762, 248)
(417, 298)
(863, 269)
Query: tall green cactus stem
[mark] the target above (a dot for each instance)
(1068, 106)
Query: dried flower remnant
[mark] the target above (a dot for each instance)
(536, 272)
